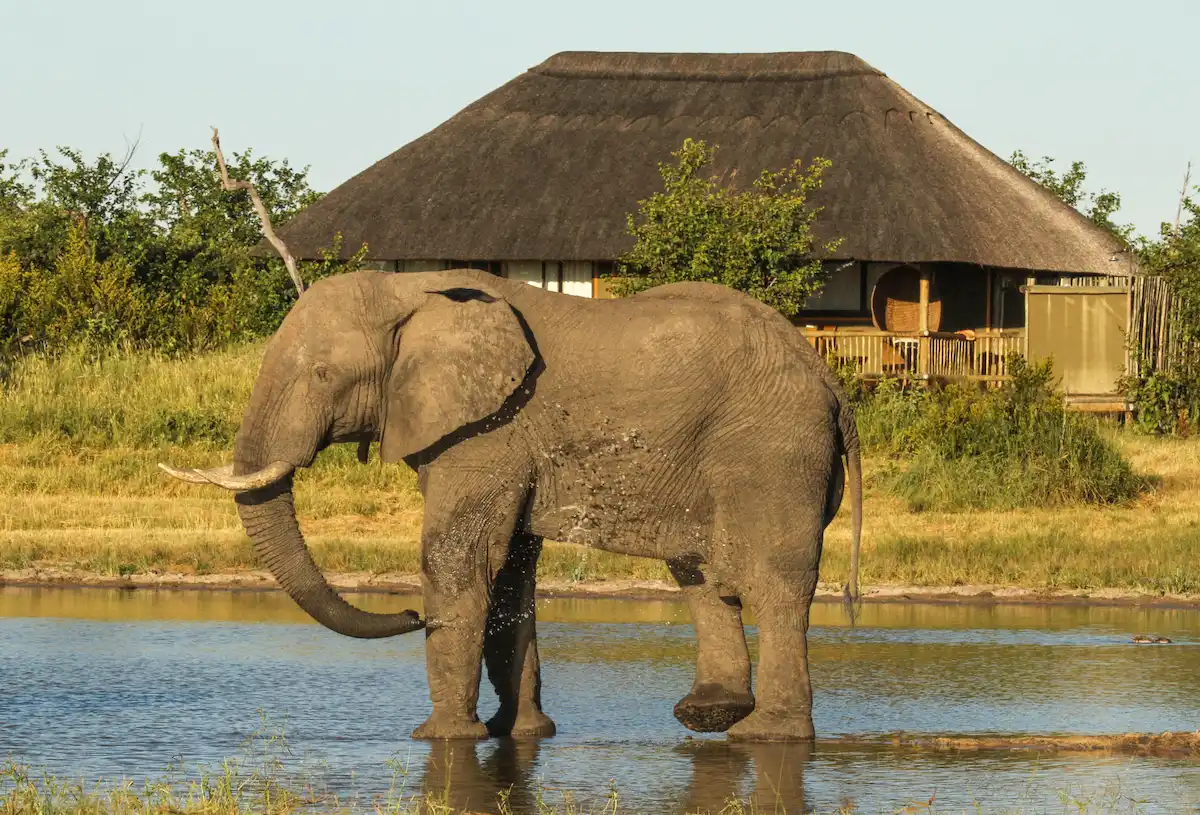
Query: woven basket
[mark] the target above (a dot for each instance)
(896, 301)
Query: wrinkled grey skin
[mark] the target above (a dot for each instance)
(689, 423)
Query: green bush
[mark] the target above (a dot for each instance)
(1167, 400)
(92, 256)
(1164, 402)
(1016, 446)
(754, 238)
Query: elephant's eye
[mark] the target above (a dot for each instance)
(321, 373)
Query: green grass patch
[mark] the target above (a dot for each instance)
(144, 399)
(961, 448)
(1002, 488)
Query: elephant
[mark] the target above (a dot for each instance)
(689, 423)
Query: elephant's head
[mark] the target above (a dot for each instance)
(408, 359)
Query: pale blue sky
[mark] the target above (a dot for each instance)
(338, 85)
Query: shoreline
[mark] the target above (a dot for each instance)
(619, 588)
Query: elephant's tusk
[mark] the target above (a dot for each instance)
(224, 477)
(192, 475)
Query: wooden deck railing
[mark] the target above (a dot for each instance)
(977, 356)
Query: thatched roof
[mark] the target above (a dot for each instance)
(548, 165)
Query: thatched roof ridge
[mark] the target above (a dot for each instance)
(698, 67)
(547, 166)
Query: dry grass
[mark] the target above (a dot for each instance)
(1150, 545)
(79, 488)
(112, 512)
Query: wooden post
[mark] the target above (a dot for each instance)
(923, 324)
(1030, 282)
(991, 290)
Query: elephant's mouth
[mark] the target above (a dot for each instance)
(223, 476)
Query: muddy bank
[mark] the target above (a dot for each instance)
(363, 582)
(1163, 745)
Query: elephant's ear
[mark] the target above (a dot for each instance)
(460, 357)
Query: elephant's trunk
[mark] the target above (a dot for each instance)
(269, 517)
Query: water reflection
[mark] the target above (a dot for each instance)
(769, 777)
(274, 607)
(103, 683)
(474, 777)
(706, 776)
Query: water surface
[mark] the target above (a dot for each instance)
(109, 683)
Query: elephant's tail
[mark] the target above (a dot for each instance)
(850, 446)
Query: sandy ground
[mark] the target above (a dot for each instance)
(363, 582)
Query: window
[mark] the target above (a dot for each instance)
(844, 291)
(570, 277)
(378, 265)
(577, 278)
(421, 265)
(489, 266)
(529, 271)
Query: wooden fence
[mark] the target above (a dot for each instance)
(975, 356)
(1154, 339)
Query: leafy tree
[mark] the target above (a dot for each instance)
(15, 194)
(1168, 398)
(79, 299)
(208, 231)
(188, 193)
(1176, 256)
(101, 196)
(756, 240)
(1068, 186)
(100, 254)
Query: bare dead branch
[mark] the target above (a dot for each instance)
(130, 151)
(1183, 194)
(263, 216)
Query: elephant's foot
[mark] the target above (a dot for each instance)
(451, 727)
(713, 709)
(523, 725)
(760, 726)
(533, 725)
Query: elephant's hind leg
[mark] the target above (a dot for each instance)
(510, 644)
(720, 695)
(780, 592)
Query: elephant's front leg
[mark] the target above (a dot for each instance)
(720, 695)
(510, 643)
(461, 527)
